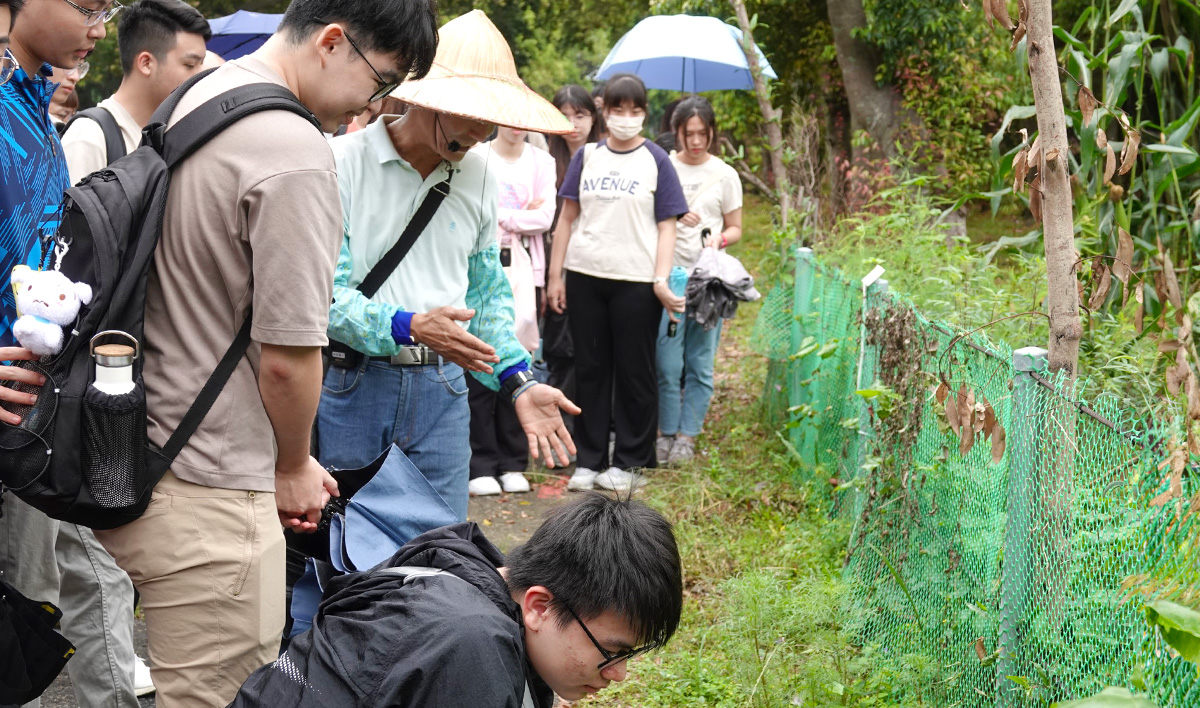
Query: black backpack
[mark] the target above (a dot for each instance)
(114, 142)
(81, 455)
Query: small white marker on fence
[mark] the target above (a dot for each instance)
(875, 274)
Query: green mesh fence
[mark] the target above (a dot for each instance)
(1005, 567)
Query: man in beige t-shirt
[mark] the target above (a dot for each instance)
(253, 223)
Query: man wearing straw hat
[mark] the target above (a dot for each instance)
(403, 333)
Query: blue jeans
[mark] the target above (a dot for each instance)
(685, 362)
(422, 409)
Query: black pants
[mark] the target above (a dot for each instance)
(614, 326)
(498, 444)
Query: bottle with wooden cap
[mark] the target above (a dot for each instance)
(114, 363)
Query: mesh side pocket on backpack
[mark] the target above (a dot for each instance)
(25, 447)
(114, 446)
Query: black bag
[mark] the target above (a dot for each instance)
(81, 455)
(114, 142)
(34, 654)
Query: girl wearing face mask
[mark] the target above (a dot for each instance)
(625, 194)
(714, 195)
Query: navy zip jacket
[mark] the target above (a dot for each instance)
(437, 641)
(34, 173)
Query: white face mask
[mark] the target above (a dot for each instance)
(624, 127)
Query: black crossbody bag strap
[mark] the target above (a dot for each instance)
(383, 269)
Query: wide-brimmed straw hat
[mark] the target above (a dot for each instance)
(474, 76)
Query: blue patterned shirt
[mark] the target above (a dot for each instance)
(34, 179)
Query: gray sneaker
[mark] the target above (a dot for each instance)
(662, 448)
(683, 450)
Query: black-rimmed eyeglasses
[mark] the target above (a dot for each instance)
(385, 87)
(91, 18)
(609, 657)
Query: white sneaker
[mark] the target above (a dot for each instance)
(514, 482)
(618, 480)
(142, 684)
(582, 479)
(483, 486)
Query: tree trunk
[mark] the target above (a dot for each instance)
(1062, 295)
(873, 108)
(772, 117)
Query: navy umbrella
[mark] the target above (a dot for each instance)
(241, 33)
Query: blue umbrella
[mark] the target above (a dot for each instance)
(684, 53)
(241, 33)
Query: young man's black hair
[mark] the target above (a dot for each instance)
(398, 27)
(599, 554)
(151, 26)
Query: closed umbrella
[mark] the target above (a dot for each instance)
(684, 53)
(241, 33)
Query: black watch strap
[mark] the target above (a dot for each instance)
(515, 381)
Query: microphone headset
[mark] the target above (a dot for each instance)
(451, 145)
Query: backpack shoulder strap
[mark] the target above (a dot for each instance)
(114, 142)
(214, 115)
(218, 113)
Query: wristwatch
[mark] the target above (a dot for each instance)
(515, 381)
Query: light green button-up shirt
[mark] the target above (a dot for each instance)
(456, 260)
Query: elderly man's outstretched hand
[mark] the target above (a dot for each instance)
(538, 410)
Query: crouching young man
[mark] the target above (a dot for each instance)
(448, 622)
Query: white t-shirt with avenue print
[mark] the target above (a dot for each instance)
(713, 189)
(622, 197)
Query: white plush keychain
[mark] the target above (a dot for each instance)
(47, 301)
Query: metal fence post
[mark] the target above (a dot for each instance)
(802, 368)
(1016, 579)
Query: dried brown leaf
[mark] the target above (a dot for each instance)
(1101, 283)
(966, 412)
(1192, 388)
(1139, 310)
(1101, 139)
(1167, 346)
(1087, 104)
(978, 418)
(1171, 281)
(1176, 378)
(1123, 263)
(1110, 164)
(980, 649)
(1052, 155)
(942, 391)
(1023, 10)
(1130, 151)
(1018, 35)
(966, 440)
(1034, 157)
(1000, 12)
(1035, 198)
(952, 410)
(989, 420)
(1020, 169)
(998, 443)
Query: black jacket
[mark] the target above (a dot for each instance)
(377, 642)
